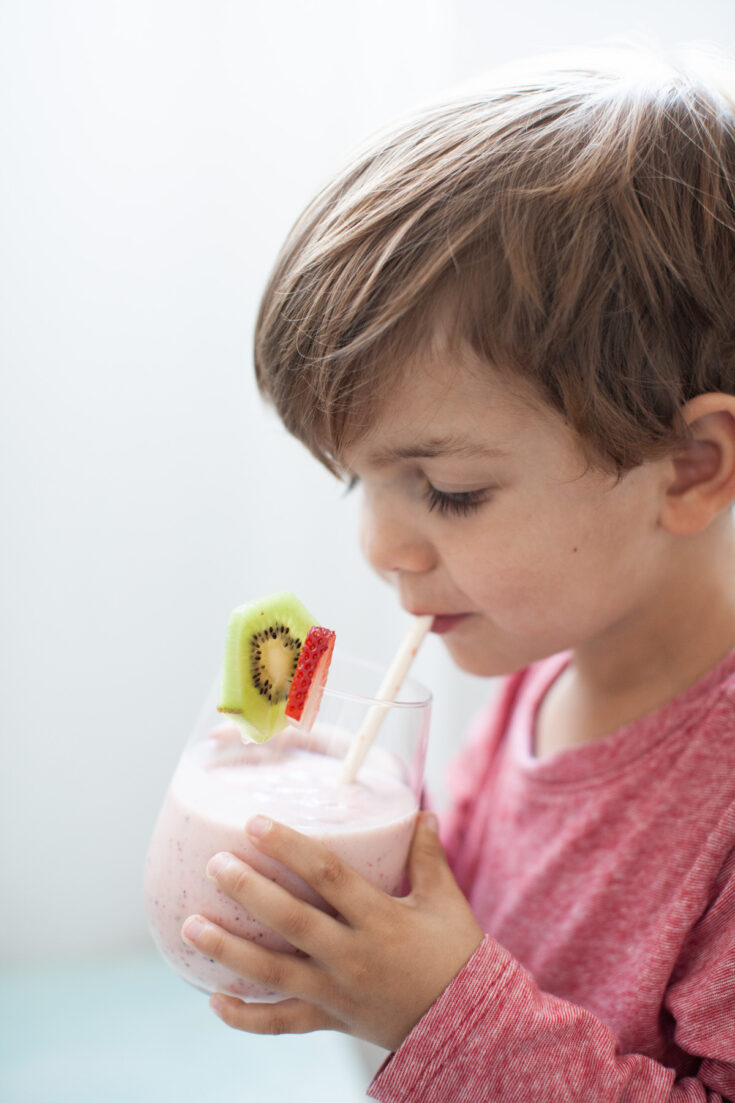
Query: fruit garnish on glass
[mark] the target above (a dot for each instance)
(275, 666)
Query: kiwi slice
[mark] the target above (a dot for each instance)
(262, 646)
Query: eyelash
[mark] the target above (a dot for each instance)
(446, 503)
(458, 504)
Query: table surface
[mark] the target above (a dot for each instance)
(127, 1030)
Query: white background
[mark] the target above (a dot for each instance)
(154, 154)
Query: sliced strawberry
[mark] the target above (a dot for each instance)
(310, 676)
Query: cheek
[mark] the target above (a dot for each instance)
(549, 581)
(551, 576)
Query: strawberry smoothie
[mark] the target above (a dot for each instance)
(219, 784)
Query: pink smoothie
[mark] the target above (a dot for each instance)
(217, 787)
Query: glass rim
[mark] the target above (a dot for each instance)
(422, 701)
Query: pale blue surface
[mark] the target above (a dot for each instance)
(129, 1031)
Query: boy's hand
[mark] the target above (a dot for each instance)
(373, 972)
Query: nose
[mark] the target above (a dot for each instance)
(392, 540)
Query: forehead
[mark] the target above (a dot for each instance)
(451, 403)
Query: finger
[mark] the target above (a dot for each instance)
(336, 882)
(282, 972)
(304, 926)
(284, 1017)
(428, 868)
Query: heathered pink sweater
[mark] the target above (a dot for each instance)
(604, 877)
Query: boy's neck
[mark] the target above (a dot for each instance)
(651, 658)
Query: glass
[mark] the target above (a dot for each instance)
(220, 782)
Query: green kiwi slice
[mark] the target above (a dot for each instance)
(262, 648)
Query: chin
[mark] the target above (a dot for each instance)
(484, 662)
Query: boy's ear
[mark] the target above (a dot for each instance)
(702, 474)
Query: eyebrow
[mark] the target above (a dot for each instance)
(458, 447)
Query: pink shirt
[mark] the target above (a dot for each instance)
(604, 877)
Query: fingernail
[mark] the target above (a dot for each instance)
(432, 823)
(258, 826)
(218, 864)
(194, 928)
(217, 1004)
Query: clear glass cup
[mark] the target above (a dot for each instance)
(220, 782)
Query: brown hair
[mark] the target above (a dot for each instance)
(581, 225)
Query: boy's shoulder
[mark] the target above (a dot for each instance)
(692, 735)
(702, 715)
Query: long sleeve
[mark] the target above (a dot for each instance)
(605, 880)
(494, 1037)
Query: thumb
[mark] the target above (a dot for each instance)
(427, 862)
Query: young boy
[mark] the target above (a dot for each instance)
(513, 321)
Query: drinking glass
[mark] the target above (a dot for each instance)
(221, 781)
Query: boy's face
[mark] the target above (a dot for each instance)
(479, 507)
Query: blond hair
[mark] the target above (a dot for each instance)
(578, 228)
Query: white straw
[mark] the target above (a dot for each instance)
(388, 691)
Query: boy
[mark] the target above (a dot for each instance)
(513, 321)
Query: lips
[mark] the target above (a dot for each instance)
(447, 621)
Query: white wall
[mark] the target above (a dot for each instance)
(154, 154)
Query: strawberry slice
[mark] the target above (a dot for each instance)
(310, 676)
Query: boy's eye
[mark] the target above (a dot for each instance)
(454, 503)
(457, 503)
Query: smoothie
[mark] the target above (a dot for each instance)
(219, 784)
